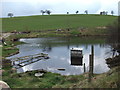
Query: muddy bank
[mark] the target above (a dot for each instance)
(113, 62)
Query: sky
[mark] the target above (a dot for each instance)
(33, 7)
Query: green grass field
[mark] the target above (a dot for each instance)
(51, 22)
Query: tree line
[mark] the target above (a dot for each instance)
(49, 12)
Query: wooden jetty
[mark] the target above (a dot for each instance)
(26, 60)
(76, 56)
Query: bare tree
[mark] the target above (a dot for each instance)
(77, 12)
(106, 13)
(10, 15)
(112, 12)
(42, 11)
(48, 12)
(101, 13)
(67, 12)
(86, 11)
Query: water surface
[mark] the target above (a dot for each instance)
(59, 51)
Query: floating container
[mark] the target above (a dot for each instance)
(76, 56)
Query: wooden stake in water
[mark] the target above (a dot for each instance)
(91, 63)
(90, 68)
(92, 59)
(84, 68)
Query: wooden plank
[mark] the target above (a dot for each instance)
(30, 56)
(25, 64)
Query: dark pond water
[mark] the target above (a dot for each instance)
(59, 51)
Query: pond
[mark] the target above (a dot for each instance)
(58, 50)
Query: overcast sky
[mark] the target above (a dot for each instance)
(33, 7)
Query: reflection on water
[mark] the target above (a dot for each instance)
(76, 56)
(76, 61)
(59, 51)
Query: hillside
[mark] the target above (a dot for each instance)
(51, 22)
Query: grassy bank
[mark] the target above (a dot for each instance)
(10, 49)
(52, 80)
(52, 22)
